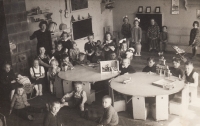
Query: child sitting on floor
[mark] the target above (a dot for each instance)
(58, 53)
(110, 116)
(51, 118)
(176, 70)
(21, 106)
(82, 59)
(37, 74)
(78, 98)
(97, 56)
(151, 67)
(53, 72)
(66, 64)
(74, 52)
(125, 67)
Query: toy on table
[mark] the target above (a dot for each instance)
(127, 81)
(162, 60)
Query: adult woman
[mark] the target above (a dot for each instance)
(90, 47)
(153, 33)
(43, 37)
(109, 45)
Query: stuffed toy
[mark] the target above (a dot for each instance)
(129, 53)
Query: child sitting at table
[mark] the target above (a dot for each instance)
(58, 53)
(151, 66)
(125, 67)
(78, 98)
(97, 56)
(113, 56)
(191, 78)
(21, 106)
(66, 64)
(74, 52)
(176, 70)
(51, 118)
(123, 49)
(82, 59)
(110, 116)
(53, 72)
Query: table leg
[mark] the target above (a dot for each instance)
(67, 86)
(90, 93)
(111, 94)
(58, 87)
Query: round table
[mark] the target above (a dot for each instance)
(141, 86)
(86, 74)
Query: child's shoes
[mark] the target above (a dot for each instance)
(40, 94)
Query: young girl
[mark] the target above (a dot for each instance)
(74, 52)
(90, 47)
(37, 73)
(136, 34)
(53, 72)
(65, 40)
(66, 64)
(194, 38)
(126, 29)
(122, 51)
(43, 58)
(58, 53)
(163, 39)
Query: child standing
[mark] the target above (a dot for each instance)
(37, 74)
(53, 72)
(58, 53)
(110, 116)
(151, 66)
(78, 98)
(163, 39)
(51, 118)
(136, 33)
(194, 38)
(126, 29)
(125, 67)
(175, 70)
(90, 47)
(74, 52)
(21, 106)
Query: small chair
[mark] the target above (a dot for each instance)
(2, 120)
(179, 105)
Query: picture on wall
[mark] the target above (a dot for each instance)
(140, 9)
(157, 10)
(175, 6)
(198, 13)
(79, 4)
(148, 10)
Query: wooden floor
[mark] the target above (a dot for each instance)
(70, 117)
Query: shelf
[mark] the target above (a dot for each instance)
(39, 14)
(81, 19)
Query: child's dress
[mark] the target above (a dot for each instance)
(37, 72)
(126, 30)
(136, 34)
(90, 47)
(58, 55)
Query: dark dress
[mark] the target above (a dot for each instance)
(176, 71)
(51, 120)
(66, 44)
(89, 47)
(107, 51)
(148, 69)
(45, 59)
(195, 35)
(126, 30)
(58, 56)
(190, 78)
(44, 40)
(129, 69)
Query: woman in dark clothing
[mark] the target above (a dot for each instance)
(43, 37)
(126, 30)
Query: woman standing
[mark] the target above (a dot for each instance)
(43, 37)
(153, 33)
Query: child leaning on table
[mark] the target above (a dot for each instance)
(151, 66)
(76, 98)
(110, 116)
(66, 64)
(82, 59)
(125, 67)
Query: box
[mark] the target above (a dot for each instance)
(109, 66)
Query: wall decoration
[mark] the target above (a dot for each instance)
(198, 13)
(107, 29)
(140, 9)
(175, 6)
(109, 66)
(78, 4)
(157, 10)
(148, 10)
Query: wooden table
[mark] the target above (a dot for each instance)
(85, 74)
(140, 87)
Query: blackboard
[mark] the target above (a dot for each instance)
(79, 4)
(82, 28)
(145, 20)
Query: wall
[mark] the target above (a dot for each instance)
(179, 26)
(99, 20)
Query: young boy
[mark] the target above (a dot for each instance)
(113, 56)
(82, 59)
(175, 70)
(78, 98)
(163, 39)
(51, 118)
(110, 116)
(21, 106)
(98, 56)
(125, 67)
(151, 67)
(58, 53)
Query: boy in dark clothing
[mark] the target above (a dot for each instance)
(151, 67)
(97, 57)
(125, 67)
(175, 70)
(58, 53)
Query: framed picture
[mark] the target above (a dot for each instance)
(175, 6)
(148, 10)
(140, 9)
(78, 5)
(109, 66)
(157, 10)
(198, 13)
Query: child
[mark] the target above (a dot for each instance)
(78, 98)
(66, 64)
(151, 67)
(8, 82)
(122, 51)
(194, 38)
(98, 56)
(58, 53)
(51, 118)
(98, 44)
(110, 116)
(191, 78)
(126, 29)
(74, 52)
(37, 74)
(65, 40)
(163, 39)
(90, 47)
(136, 36)
(125, 67)
(113, 56)
(82, 59)
(175, 70)
(21, 106)
(53, 72)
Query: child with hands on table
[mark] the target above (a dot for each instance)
(125, 67)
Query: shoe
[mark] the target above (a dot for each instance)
(40, 94)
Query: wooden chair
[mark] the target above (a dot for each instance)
(179, 105)
(2, 120)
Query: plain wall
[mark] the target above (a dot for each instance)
(99, 20)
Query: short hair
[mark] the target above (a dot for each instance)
(6, 63)
(54, 60)
(65, 56)
(90, 35)
(53, 103)
(20, 86)
(195, 22)
(150, 58)
(42, 22)
(164, 26)
(64, 33)
(73, 42)
(176, 60)
(189, 63)
(107, 97)
(42, 47)
(78, 83)
(108, 33)
(125, 18)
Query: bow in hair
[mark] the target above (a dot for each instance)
(137, 19)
